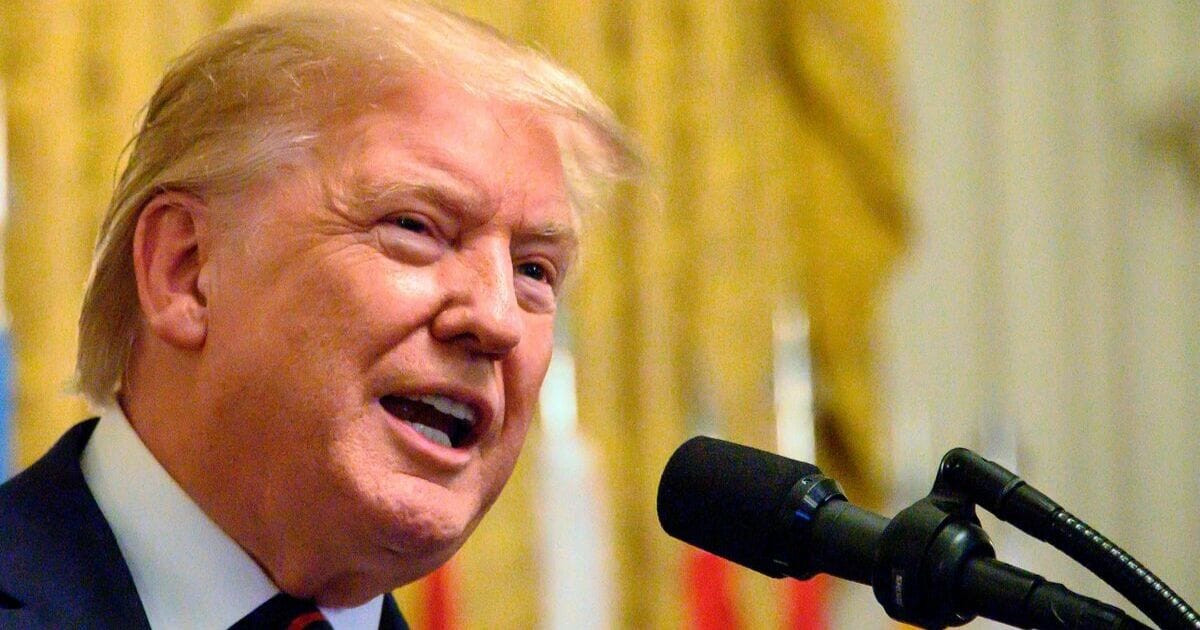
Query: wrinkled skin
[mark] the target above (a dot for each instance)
(422, 256)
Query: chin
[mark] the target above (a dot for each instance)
(426, 528)
(397, 524)
(390, 569)
(429, 547)
(375, 571)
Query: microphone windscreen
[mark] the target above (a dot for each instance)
(726, 498)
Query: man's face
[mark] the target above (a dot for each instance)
(377, 335)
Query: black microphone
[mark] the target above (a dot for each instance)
(931, 566)
(750, 506)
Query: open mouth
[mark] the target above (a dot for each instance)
(438, 419)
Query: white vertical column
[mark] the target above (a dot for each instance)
(575, 548)
(935, 346)
(1157, 70)
(793, 382)
(1049, 311)
(938, 349)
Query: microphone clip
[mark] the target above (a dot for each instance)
(922, 556)
(935, 567)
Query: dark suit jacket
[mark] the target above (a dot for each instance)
(59, 562)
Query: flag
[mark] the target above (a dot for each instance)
(441, 611)
(574, 550)
(807, 602)
(710, 593)
(6, 399)
(6, 355)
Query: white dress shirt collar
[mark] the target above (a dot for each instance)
(188, 572)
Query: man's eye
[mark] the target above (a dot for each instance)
(412, 225)
(536, 271)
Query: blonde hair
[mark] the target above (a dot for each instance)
(261, 93)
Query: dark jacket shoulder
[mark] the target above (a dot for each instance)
(60, 565)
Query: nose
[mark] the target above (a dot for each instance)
(480, 312)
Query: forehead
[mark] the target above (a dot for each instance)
(436, 139)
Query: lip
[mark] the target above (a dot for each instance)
(485, 414)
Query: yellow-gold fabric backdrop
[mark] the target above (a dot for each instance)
(771, 132)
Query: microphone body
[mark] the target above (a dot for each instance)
(772, 514)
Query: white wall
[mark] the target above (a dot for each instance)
(1048, 313)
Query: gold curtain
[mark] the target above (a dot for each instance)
(771, 132)
(76, 73)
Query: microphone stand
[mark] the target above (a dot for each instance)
(1013, 500)
(936, 568)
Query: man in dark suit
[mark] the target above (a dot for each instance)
(318, 319)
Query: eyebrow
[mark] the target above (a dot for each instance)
(555, 232)
(451, 196)
(457, 195)
(459, 198)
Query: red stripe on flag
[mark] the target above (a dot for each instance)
(808, 604)
(708, 582)
(440, 609)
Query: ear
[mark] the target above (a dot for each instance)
(170, 250)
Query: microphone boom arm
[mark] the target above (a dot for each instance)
(932, 566)
(1011, 499)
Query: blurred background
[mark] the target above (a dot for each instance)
(872, 231)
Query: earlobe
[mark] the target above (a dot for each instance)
(170, 247)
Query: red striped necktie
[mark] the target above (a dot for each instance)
(284, 612)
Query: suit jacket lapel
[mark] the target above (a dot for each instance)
(62, 566)
(391, 618)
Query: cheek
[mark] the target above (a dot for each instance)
(524, 372)
(366, 300)
(525, 369)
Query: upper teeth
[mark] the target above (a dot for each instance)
(450, 407)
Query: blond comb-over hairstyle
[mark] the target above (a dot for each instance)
(260, 95)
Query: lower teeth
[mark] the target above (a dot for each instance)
(430, 433)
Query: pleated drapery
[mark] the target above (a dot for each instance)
(771, 137)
